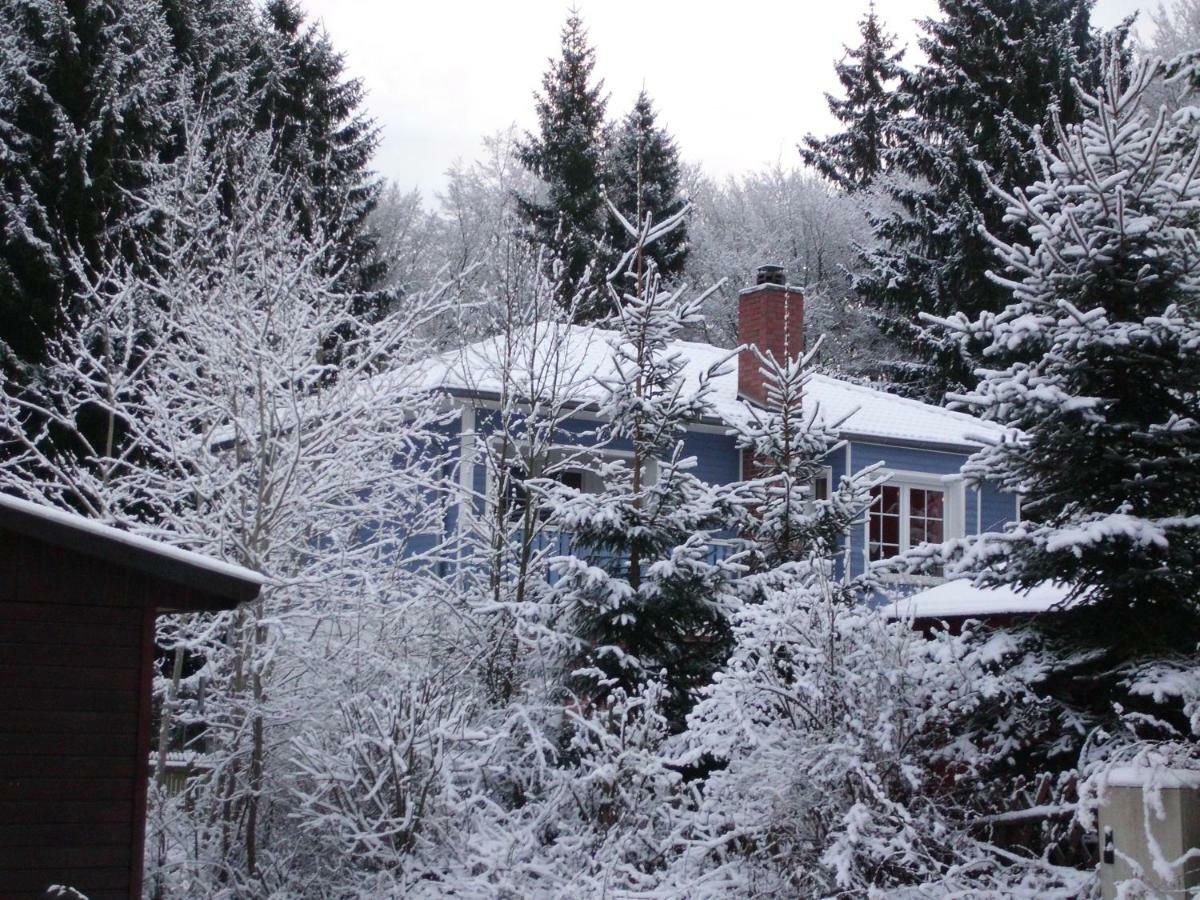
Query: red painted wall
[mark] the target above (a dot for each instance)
(76, 650)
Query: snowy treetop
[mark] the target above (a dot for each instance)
(582, 356)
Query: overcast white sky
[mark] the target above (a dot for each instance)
(737, 83)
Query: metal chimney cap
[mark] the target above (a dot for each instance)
(771, 274)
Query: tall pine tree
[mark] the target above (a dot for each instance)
(93, 95)
(870, 75)
(567, 154)
(642, 177)
(315, 113)
(87, 99)
(996, 71)
(1093, 367)
(642, 596)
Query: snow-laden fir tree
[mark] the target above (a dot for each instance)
(788, 443)
(87, 98)
(869, 74)
(1093, 369)
(642, 175)
(642, 594)
(305, 99)
(995, 70)
(92, 96)
(567, 154)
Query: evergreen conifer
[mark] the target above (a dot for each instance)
(995, 72)
(643, 595)
(870, 74)
(1093, 368)
(567, 154)
(643, 177)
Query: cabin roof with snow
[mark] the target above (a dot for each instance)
(212, 581)
(582, 358)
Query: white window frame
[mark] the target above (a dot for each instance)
(603, 453)
(827, 477)
(953, 515)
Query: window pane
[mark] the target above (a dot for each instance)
(821, 489)
(516, 494)
(885, 499)
(883, 523)
(891, 529)
(933, 531)
(572, 479)
(883, 551)
(916, 501)
(926, 516)
(916, 532)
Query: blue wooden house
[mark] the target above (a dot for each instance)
(922, 447)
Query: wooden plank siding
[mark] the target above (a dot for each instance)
(76, 672)
(72, 762)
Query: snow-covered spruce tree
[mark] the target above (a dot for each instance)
(93, 93)
(315, 112)
(995, 71)
(642, 175)
(230, 431)
(641, 595)
(844, 769)
(567, 154)
(790, 528)
(1093, 368)
(870, 75)
(87, 95)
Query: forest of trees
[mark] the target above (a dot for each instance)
(215, 320)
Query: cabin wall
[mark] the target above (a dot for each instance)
(76, 645)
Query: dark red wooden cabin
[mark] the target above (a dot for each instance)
(77, 608)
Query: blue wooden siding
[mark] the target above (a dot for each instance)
(998, 509)
(718, 461)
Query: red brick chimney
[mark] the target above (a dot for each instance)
(770, 316)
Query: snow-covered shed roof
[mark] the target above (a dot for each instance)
(91, 538)
(582, 358)
(959, 598)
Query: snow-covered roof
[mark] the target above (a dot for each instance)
(93, 538)
(583, 357)
(1151, 776)
(958, 598)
